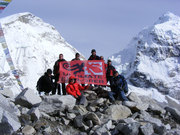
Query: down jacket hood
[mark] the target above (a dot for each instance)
(72, 77)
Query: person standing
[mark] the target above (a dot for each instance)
(93, 55)
(110, 71)
(56, 73)
(45, 83)
(77, 57)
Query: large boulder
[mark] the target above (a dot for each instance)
(28, 98)
(50, 104)
(116, 112)
(174, 112)
(9, 113)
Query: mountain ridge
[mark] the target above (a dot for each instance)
(155, 63)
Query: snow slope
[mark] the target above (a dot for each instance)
(152, 58)
(34, 46)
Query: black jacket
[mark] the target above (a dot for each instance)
(56, 67)
(45, 83)
(110, 71)
(94, 57)
(119, 84)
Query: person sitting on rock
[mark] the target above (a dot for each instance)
(119, 88)
(45, 83)
(74, 88)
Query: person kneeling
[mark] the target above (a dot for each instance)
(45, 83)
(73, 88)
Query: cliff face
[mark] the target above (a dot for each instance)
(152, 59)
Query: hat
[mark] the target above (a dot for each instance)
(109, 60)
(116, 72)
(77, 54)
(93, 50)
(49, 71)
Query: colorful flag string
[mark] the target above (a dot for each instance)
(8, 58)
(3, 5)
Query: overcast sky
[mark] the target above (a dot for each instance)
(104, 25)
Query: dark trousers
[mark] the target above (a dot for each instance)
(57, 86)
(119, 96)
(81, 99)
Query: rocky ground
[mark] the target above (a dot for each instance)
(31, 114)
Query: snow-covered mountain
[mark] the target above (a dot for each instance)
(152, 58)
(34, 46)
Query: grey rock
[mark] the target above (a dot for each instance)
(91, 108)
(127, 120)
(28, 98)
(133, 97)
(54, 103)
(97, 102)
(28, 130)
(78, 121)
(48, 129)
(25, 119)
(160, 130)
(129, 129)
(153, 105)
(80, 109)
(70, 116)
(147, 129)
(95, 119)
(172, 103)
(65, 121)
(116, 112)
(89, 123)
(146, 117)
(136, 106)
(8, 115)
(7, 93)
(35, 114)
(174, 112)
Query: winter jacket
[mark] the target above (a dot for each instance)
(94, 57)
(74, 59)
(110, 71)
(45, 83)
(119, 84)
(74, 88)
(56, 66)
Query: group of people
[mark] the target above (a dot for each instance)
(49, 83)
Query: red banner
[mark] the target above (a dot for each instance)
(86, 72)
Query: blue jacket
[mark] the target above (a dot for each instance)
(119, 84)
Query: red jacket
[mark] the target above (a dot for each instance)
(74, 88)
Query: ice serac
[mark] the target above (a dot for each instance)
(152, 58)
(34, 46)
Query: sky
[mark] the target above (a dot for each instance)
(104, 25)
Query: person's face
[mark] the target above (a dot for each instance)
(109, 63)
(60, 56)
(72, 81)
(93, 53)
(77, 56)
(102, 58)
(116, 74)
